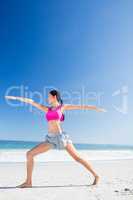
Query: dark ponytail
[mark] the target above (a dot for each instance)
(60, 100)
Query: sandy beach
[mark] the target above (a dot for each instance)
(68, 180)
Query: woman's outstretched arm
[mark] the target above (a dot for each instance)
(30, 101)
(82, 107)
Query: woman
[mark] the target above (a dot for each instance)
(56, 138)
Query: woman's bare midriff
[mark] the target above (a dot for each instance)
(54, 127)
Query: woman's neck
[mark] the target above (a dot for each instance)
(54, 105)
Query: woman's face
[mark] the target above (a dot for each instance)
(51, 98)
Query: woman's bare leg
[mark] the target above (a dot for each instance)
(40, 148)
(74, 153)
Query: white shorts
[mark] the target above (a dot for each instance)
(58, 140)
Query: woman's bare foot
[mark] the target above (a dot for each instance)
(24, 185)
(96, 180)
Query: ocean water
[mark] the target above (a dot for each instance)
(12, 144)
(15, 151)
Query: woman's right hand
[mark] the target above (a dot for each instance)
(26, 100)
(11, 97)
(30, 101)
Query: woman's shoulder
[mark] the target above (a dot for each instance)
(63, 106)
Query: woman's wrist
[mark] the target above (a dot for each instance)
(28, 100)
(24, 99)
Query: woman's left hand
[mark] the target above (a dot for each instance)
(101, 110)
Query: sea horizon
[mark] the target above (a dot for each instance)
(25, 144)
(15, 151)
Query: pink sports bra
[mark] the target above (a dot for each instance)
(54, 114)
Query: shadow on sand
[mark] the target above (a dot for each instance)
(48, 186)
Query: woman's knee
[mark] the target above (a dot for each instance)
(78, 158)
(29, 154)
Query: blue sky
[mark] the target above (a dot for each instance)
(79, 47)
